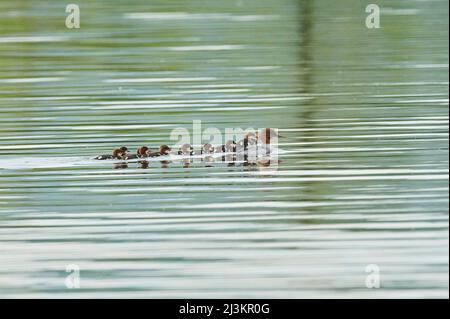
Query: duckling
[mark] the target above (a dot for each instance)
(230, 149)
(230, 146)
(250, 139)
(219, 149)
(118, 153)
(186, 149)
(163, 150)
(141, 152)
(207, 149)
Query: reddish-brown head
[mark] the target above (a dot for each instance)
(250, 135)
(141, 151)
(164, 149)
(118, 153)
(265, 135)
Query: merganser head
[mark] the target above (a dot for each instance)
(142, 151)
(164, 149)
(266, 134)
(208, 148)
(124, 149)
(250, 136)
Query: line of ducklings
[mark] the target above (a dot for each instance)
(122, 153)
(144, 152)
(249, 141)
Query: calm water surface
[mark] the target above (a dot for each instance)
(363, 180)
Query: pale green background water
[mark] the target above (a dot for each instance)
(364, 180)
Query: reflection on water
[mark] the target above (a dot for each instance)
(363, 179)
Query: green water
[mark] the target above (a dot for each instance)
(363, 178)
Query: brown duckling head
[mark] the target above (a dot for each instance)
(118, 153)
(207, 148)
(142, 151)
(185, 149)
(164, 149)
(250, 135)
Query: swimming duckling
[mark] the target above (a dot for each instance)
(118, 153)
(219, 149)
(230, 149)
(141, 152)
(207, 149)
(230, 146)
(163, 150)
(186, 149)
(250, 139)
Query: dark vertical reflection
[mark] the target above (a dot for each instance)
(306, 24)
(306, 62)
(307, 110)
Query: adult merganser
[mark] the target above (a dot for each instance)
(265, 135)
(118, 153)
(163, 150)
